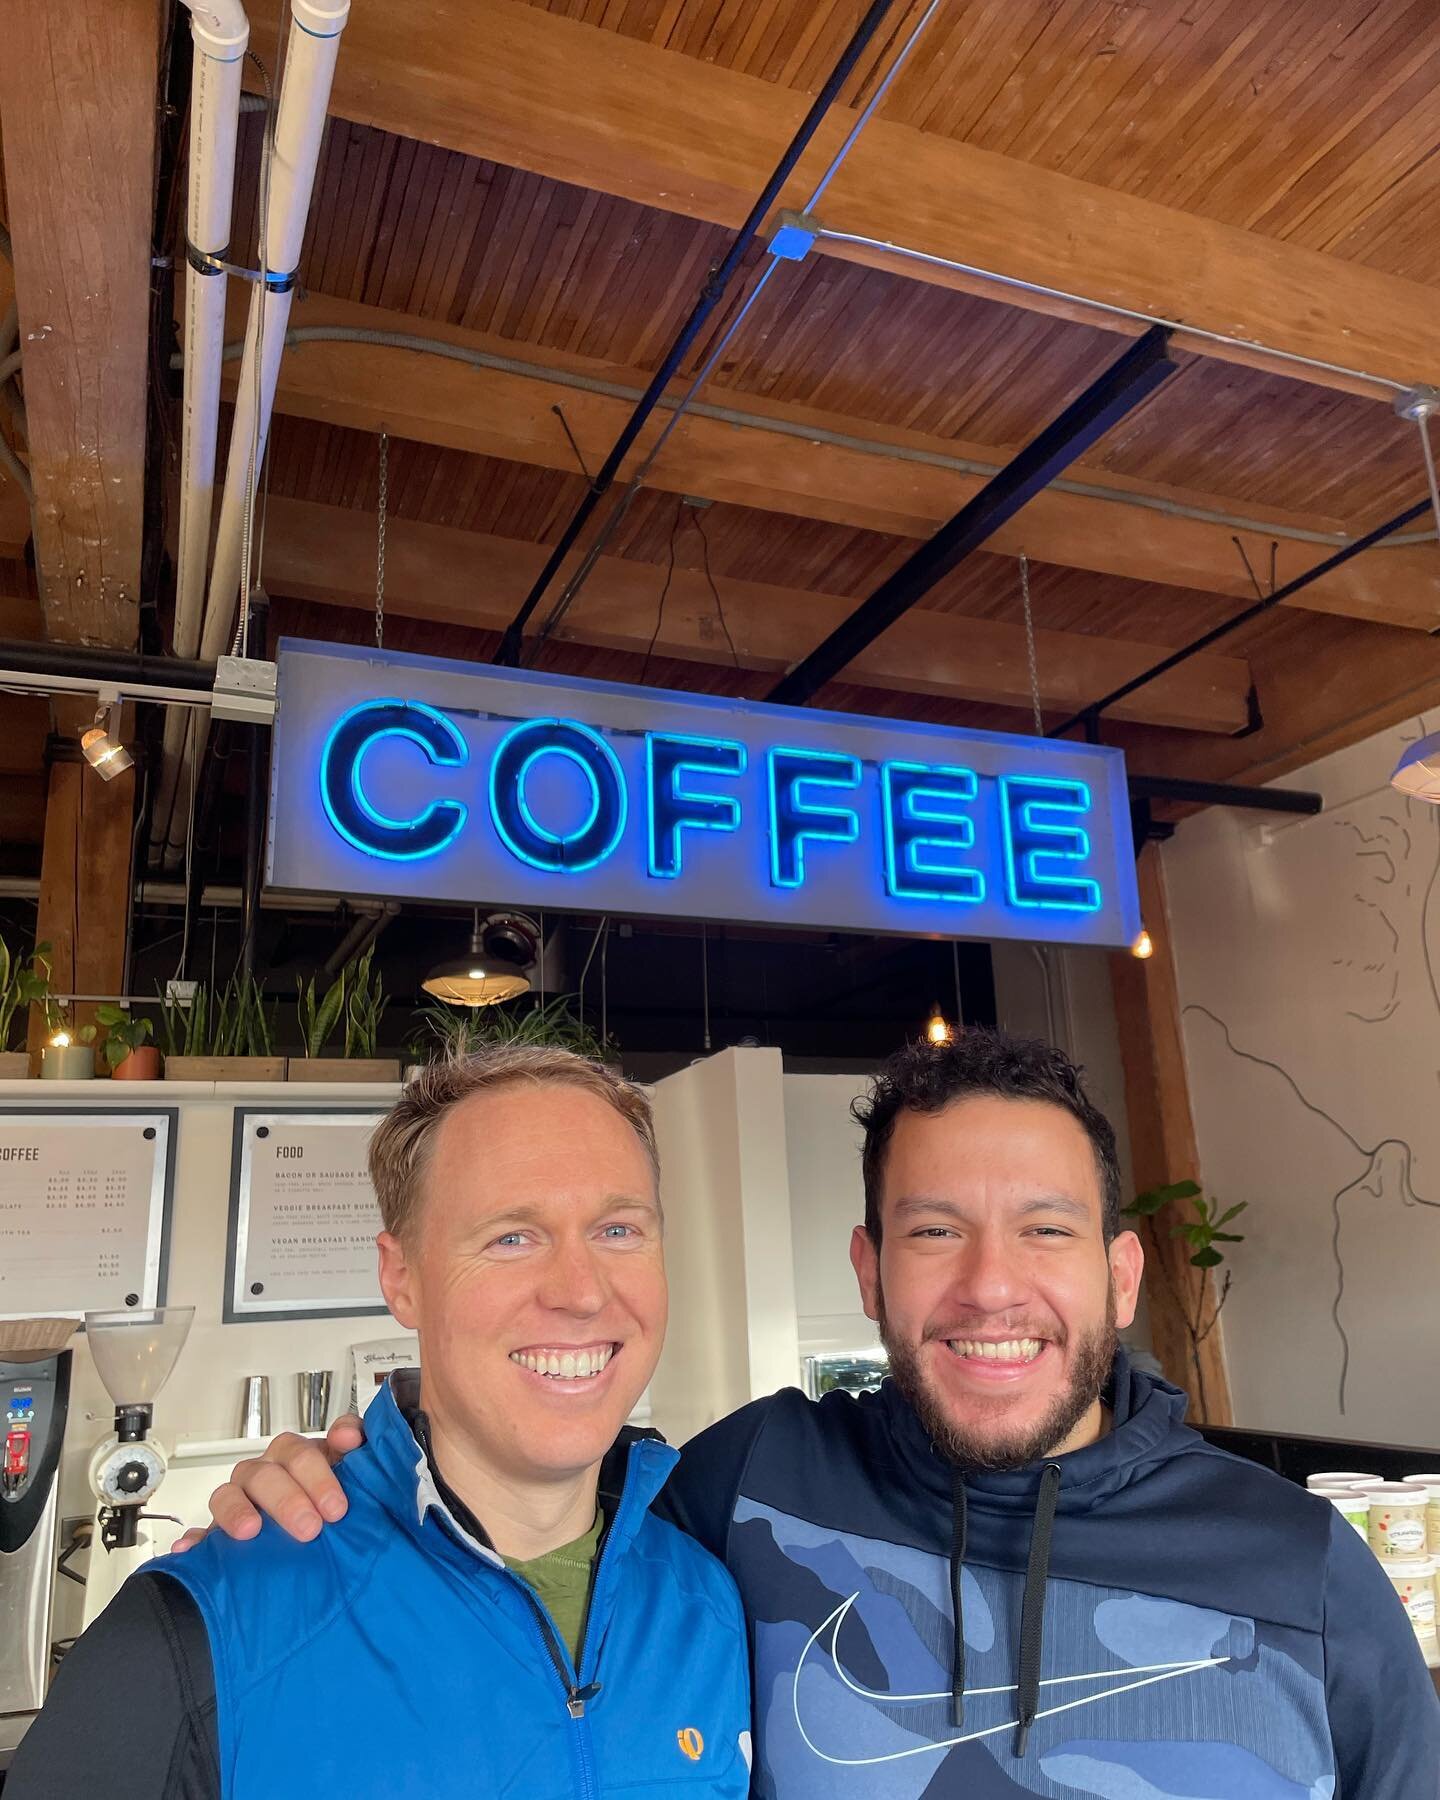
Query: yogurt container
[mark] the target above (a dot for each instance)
(1432, 1508)
(1413, 1579)
(1397, 1526)
(1341, 1478)
(1353, 1505)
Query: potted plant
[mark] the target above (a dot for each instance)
(353, 1004)
(1201, 1235)
(22, 984)
(127, 1055)
(452, 1032)
(69, 1053)
(225, 1035)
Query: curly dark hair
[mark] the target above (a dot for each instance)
(926, 1078)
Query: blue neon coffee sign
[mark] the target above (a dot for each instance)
(412, 776)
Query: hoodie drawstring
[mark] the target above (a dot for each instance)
(1032, 1608)
(957, 1574)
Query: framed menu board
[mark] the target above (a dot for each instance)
(85, 1201)
(303, 1218)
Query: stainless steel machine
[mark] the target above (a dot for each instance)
(34, 1398)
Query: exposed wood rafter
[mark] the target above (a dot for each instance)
(498, 413)
(327, 553)
(560, 101)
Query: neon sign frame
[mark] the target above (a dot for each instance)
(413, 776)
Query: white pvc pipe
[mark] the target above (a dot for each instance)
(310, 56)
(220, 33)
(299, 127)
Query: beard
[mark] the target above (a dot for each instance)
(975, 1447)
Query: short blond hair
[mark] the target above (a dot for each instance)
(403, 1143)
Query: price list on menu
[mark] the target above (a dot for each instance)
(83, 1204)
(303, 1216)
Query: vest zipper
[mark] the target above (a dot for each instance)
(575, 1695)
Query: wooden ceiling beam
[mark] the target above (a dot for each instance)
(511, 415)
(580, 104)
(327, 553)
(79, 108)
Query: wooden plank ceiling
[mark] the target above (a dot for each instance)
(1297, 134)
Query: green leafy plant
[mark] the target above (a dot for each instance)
(1201, 1234)
(232, 1021)
(122, 1032)
(452, 1032)
(364, 1007)
(23, 983)
(319, 1014)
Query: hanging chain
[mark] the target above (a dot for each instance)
(380, 541)
(1030, 643)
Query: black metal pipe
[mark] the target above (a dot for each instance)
(1123, 385)
(254, 837)
(118, 666)
(1224, 793)
(715, 285)
(1087, 715)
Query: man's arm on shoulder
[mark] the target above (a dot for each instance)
(700, 1495)
(131, 1712)
(1384, 1713)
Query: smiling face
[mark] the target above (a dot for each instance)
(534, 1274)
(997, 1297)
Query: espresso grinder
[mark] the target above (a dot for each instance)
(134, 1352)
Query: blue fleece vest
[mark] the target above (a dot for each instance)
(397, 1657)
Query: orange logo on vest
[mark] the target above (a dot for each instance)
(690, 1742)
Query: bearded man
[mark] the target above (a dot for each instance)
(1014, 1570)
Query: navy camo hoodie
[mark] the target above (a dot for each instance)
(1149, 1618)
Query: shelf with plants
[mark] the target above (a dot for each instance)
(349, 1009)
(221, 1034)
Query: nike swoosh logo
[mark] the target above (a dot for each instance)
(1148, 1675)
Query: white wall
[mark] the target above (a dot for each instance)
(1308, 952)
(827, 1201)
(720, 1125)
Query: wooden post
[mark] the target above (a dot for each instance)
(1163, 1149)
(84, 875)
(79, 99)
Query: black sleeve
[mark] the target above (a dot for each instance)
(131, 1712)
(700, 1495)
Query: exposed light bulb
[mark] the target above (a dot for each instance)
(60, 1041)
(1144, 946)
(938, 1029)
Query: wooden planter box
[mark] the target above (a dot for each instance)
(224, 1068)
(344, 1068)
(14, 1065)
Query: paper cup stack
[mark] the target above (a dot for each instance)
(1400, 1520)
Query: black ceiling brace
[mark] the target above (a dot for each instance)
(1088, 716)
(1224, 793)
(1123, 385)
(709, 298)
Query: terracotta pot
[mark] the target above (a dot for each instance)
(142, 1064)
(14, 1065)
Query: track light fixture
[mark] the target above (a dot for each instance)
(100, 743)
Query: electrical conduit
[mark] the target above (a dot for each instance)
(310, 56)
(220, 33)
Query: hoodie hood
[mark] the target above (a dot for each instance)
(1147, 1427)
